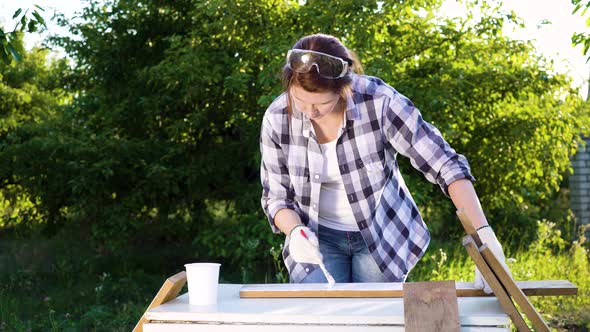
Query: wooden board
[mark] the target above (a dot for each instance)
(169, 290)
(513, 290)
(495, 285)
(361, 314)
(436, 298)
(468, 227)
(392, 289)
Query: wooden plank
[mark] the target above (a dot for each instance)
(477, 313)
(513, 290)
(547, 287)
(503, 276)
(468, 226)
(169, 290)
(184, 327)
(392, 289)
(495, 285)
(436, 298)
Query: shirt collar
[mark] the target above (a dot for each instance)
(352, 113)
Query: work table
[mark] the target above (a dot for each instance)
(233, 313)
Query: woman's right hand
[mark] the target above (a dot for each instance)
(304, 246)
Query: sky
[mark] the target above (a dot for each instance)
(552, 39)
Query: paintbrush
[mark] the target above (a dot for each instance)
(318, 260)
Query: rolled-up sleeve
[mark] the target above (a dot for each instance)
(277, 191)
(411, 136)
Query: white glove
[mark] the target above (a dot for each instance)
(488, 238)
(302, 249)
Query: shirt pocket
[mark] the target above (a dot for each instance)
(374, 172)
(373, 163)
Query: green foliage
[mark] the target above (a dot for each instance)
(10, 46)
(152, 153)
(281, 274)
(31, 94)
(157, 144)
(548, 258)
(582, 38)
(169, 98)
(40, 280)
(551, 260)
(63, 284)
(31, 91)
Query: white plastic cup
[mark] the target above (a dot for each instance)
(203, 281)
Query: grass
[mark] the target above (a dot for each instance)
(63, 285)
(549, 258)
(67, 293)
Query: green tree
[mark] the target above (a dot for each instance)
(162, 135)
(9, 45)
(582, 38)
(31, 95)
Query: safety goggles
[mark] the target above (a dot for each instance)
(328, 66)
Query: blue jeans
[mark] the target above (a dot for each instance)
(346, 257)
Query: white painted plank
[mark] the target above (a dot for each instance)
(179, 327)
(394, 289)
(231, 308)
(159, 327)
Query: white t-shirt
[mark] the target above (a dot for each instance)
(334, 210)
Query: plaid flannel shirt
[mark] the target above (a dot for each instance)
(379, 123)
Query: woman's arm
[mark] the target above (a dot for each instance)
(411, 136)
(277, 196)
(286, 220)
(464, 197)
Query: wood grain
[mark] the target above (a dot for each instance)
(169, 290)
(468, 226)
(392, 289)
(513, 290)
(495, 285)
(431, 306)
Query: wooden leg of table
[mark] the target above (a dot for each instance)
(513, 290)
(169, 290)
(431, 306)
(497, 288)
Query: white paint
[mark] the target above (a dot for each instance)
(324, 312)
(180, 327)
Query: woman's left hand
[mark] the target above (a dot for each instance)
(488, 238)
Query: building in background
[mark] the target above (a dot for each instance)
(579, 183)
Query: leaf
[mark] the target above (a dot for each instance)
(40, 8)
(17, 12)
(23, 22)
(39, 18)
(32, 26)
(14, 52)
(5, 56)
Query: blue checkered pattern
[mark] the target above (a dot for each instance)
(379, 124)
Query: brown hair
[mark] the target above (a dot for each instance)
(312, 81)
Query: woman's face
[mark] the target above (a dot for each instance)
(315, 105)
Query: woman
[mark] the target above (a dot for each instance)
(329, 145)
